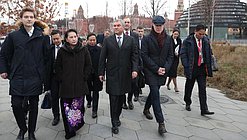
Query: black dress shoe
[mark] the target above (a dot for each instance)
(162, 128)
(115, 130)
(131, 105)
(21, 135)
(55, 121)
(187, 107)
(125, 106)
(118, 123)
(31, 136)
(94, 115)
(88, 105)
(206, 112)
(70, 135)
(147, 114)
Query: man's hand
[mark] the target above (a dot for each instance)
(161, 71)
(102, 78)
(4, 75)
(134, 74)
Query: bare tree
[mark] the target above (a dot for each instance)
(46, 9)
(154, 7)
(207, 8)
(126, 7)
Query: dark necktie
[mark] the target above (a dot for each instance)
(119, 41)
(127, 33)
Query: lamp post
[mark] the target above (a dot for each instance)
(212, 28)
(189, 19)
(66, 13)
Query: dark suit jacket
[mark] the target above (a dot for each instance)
(50, 69)
(118, 63)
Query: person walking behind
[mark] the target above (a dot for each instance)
(119, 59)
(196, 60)
(172, 74)
(157, 56)
(52, 85)
(72, 66)
(23, 62)
(94, 84)
(140, 78)
(134, 82)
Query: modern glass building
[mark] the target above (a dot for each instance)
(230, 19)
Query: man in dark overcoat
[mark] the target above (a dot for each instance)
(157, 56)
(22, 61)
(134, 82)
(119, 58)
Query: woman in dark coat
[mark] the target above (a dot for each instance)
(94, 84)
(172, 74)
(73, 66)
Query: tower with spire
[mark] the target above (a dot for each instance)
(80, 13)
(179, 10)
(136, 12)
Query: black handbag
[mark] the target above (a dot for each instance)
(141, 80)
(214, 63)
(46, 103)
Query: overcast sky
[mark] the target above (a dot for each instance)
(98, 7)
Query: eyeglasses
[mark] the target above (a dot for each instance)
(127, 22)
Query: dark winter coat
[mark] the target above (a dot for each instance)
(23, 58)
(94, 76)
(119, 63)
(155, 57)
(73, 67)
(173, 70)
(187, 54)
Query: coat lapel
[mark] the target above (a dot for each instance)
(113, 39)
(125, 39)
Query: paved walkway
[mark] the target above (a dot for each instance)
(229, 121)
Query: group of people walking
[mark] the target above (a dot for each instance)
(32, 60)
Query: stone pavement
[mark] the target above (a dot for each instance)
(229, 121)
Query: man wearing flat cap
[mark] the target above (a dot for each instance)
(157, 55)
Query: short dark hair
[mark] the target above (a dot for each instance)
(67, 33)
(200, 27)
(28, 9)
(53, 32)
(139, 27)
(91, 34)
(176, 30)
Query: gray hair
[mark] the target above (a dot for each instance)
(121, 22)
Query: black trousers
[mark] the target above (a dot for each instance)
(199, 76)
(94, 99)
(55, 97)
(154, 100)
(18, 106)
(134, 90)
(116, 102)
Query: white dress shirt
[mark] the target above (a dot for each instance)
(56, 49)
(30, 33)
(121, 39)
(197, 42)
